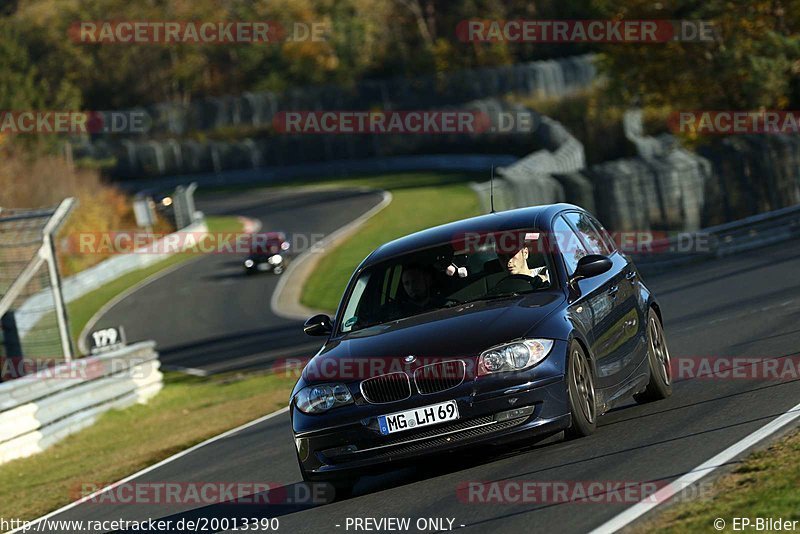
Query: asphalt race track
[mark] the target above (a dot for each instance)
(208, 315)
(746, 305)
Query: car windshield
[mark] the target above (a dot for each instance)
(470, 268)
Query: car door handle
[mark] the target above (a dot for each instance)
(631, 275)
(613, 291)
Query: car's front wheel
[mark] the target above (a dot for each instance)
(581, 393)
(660, 386)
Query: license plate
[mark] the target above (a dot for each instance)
(410, 419)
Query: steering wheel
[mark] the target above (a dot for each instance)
(535, 282)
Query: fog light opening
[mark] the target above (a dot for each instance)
(516, 413)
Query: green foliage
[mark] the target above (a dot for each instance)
(23, 85)
(751, 63)
(363, 38)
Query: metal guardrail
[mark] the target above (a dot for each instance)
(38, 410)
(725, 239)
(758, 230)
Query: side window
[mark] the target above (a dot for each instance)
(391, 281)
(572, 249)
(610, 245)
(349, 316)
(589, 234)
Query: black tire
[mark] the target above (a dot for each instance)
(581, 393)
(660, 385)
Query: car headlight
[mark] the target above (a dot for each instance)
(248, 263)
(514, 356)
(323, 397)
(275, 259)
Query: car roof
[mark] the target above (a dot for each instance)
(535, 216)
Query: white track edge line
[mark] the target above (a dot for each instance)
(119, 297)
(94, 319)
(648, 503)
(152, 468)
(352, 226)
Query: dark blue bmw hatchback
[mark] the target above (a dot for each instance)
(514, 325)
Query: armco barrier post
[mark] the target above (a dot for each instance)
(10, 347)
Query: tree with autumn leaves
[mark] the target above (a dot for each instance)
(753, 61)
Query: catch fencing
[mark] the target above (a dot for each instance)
(28, 267)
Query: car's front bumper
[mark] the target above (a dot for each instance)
(263, 267)
(537, 408)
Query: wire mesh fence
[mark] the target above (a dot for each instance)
(34, 321)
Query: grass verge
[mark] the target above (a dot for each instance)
(187, 411)
(420, 200)
(764, 485)
(83, 309)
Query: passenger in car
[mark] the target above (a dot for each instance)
(418, 284)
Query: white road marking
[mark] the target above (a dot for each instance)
(648, 503)
(153, 467)
(298, 311)
(249, 226)
(90, 324)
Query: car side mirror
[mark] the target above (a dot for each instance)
(591, 265)
(319, 325)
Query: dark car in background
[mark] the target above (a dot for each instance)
(270, 253)
(509, 326)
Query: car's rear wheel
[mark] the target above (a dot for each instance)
(581, 393)
(660, 386)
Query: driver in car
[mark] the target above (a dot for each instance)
(515, 261)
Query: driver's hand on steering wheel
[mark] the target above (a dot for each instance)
(541, 273)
